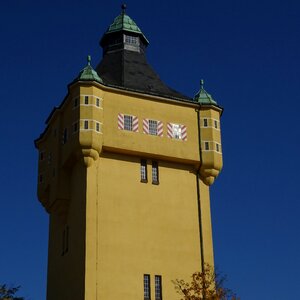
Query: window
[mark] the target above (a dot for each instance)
(158, 293)
(152, 127)
(144, 170)
(97, 102)
(147, 287)
(75, 102)
(49, 158)
(98, 126)
(176, 131)
(128, 122)
(75, 127)
(42, 155)
(86, 124)
(86, 99)
(155, 173)
(65, 135)
(206, 145)
(205, 122)
(218, 147)
(216, 123)
(65, 241)
(131, 40)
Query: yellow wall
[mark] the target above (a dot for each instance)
(119, 227)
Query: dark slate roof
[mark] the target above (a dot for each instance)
(130, 70)
(124, 64)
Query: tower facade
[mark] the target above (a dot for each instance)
(125, 165)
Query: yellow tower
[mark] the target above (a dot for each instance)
(125, 165)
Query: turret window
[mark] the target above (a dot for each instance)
(75, 127)
(206, 145)
(98, 102)
(41, 178)
(205, 122)
(76, 101)
(217, 147)
(131, 40)
(97, 126)
(216, 124)
(65, 241)
(86, 124)
(86, 100)
(65, 136)
(42, 155)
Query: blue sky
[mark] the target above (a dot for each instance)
(248, 53)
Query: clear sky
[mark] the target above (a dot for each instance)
(248, 53)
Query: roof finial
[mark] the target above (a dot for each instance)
(124, 6)
(201, 83)
(89, 60)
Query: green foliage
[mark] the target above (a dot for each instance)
(9, 293)
(205, 285)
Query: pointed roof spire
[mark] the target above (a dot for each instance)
(88, 73)
(123, 6)
(202, 96)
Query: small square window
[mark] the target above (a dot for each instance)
(86, 124)
(176, 131)
(75, 127)
(147, 287)
(98, 126)
(65, 136)
(216, 123)
(144, 170)
(206, 145)
(42, 155)
(41, 178)
(131, 39)
(86, 100)
(65, 240)
(97, 102)
(49, 157)
(152, 127)
(155, 178)
(128, 122)
(205, 122)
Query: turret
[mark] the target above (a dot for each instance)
(210, 135)
(73, 133)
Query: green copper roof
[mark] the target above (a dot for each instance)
(124, 22)
(202, 96)
(88, 73)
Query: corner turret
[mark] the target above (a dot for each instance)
(73, 134)
(210, 133)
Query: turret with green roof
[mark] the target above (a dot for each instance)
(88, 73)
(203, 97)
